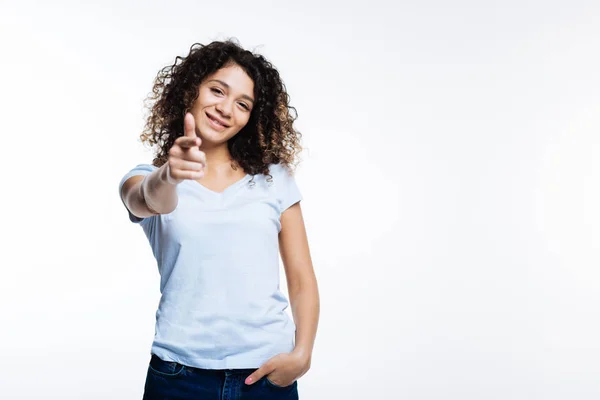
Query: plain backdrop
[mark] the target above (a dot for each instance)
(451, 184)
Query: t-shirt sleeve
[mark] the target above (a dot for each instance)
(287, 189)
(141, 169)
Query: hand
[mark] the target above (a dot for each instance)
(186, 161)
(282, 370)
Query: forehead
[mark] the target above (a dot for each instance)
(235, 77)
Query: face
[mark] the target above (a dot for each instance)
(223, 106)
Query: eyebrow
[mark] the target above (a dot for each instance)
(245, 96)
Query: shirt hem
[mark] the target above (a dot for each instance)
(204, 363)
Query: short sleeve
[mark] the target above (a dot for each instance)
(288, 193)
(141, 169)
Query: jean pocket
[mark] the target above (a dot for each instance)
(272, 384)
(165, 368)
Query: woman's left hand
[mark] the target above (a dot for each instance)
(283, 369)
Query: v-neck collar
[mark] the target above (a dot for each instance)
(227, 190)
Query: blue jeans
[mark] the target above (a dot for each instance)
(168, 380)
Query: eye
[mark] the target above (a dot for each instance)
(216, 90)
(244, 106)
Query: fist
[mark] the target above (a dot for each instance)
(186, 161)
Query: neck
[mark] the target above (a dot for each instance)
(218, 160)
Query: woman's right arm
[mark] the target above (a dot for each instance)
(156, 192)
(151, 194)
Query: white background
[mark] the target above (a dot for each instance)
(451, 184)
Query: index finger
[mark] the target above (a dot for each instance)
(189, 126)
(258, 374)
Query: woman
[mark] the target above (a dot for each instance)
(218, 206)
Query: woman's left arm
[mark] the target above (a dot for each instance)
(284, 368)
(301, 280)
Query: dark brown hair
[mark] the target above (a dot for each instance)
(269, 136)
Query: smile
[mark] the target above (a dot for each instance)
(215, 123)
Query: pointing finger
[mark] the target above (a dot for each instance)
(186, 142)
(257, 375)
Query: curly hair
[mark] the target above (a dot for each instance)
(269, 136)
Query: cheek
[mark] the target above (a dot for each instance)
(196, 106)
(243, 119)
(204, 98)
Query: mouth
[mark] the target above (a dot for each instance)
(216, 121)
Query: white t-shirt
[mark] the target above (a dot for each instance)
(218, 258)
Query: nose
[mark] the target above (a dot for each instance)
(224, 108)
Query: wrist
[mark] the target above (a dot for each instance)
(302, 353)
(165, 175)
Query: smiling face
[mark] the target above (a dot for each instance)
(224, 104)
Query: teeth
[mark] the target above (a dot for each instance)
(217, 122)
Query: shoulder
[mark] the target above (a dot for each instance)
(280, 171)
(283, 185)
(279, 177)
(140, 169)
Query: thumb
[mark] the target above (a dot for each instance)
(189, 126)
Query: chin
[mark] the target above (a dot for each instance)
(213, 138)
